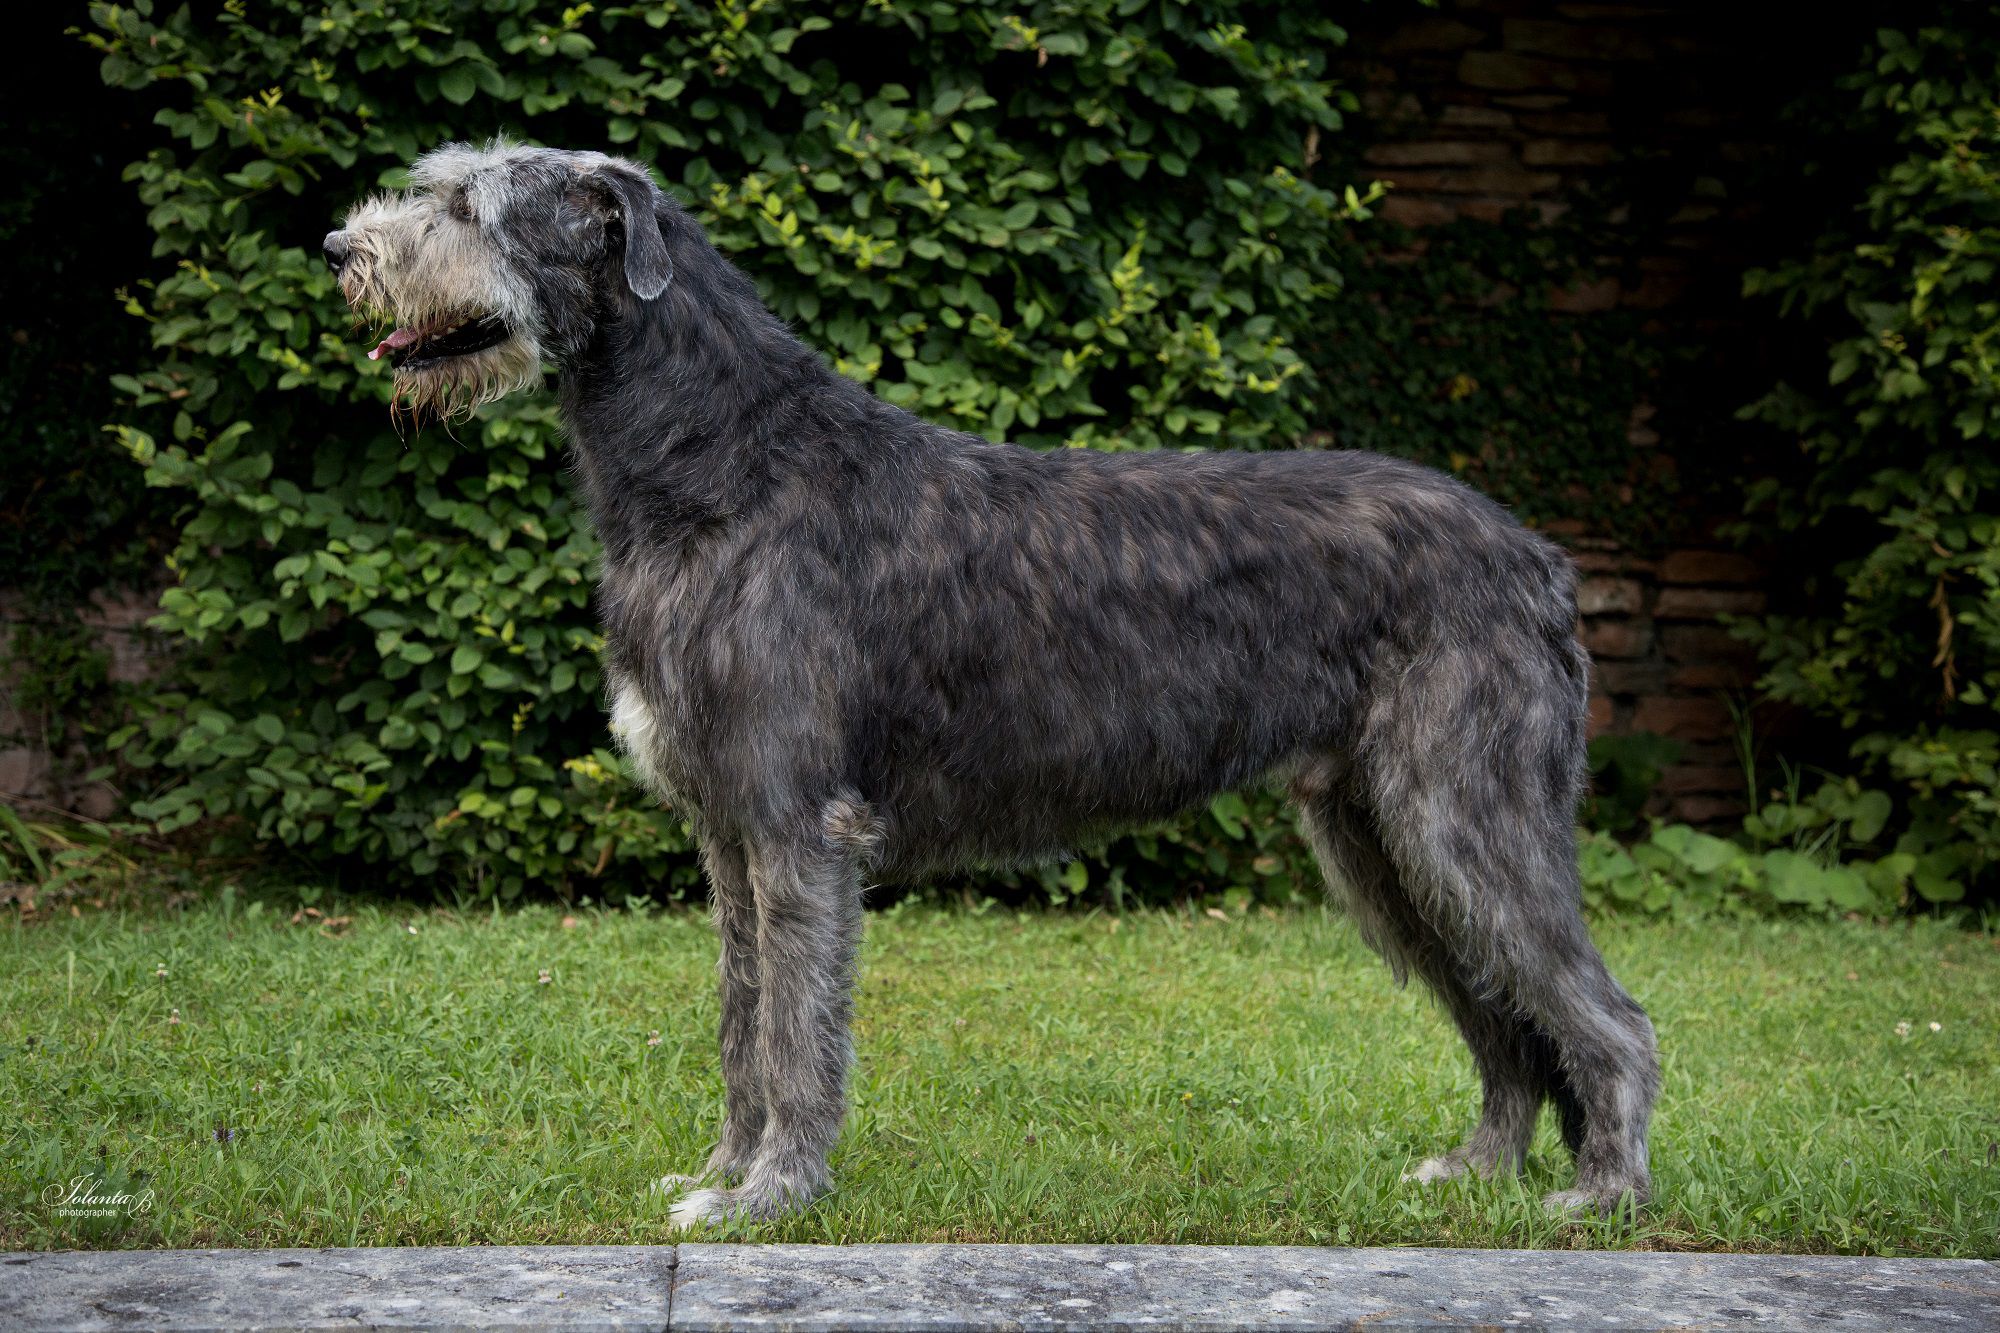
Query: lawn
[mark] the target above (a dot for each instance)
(412, 1077)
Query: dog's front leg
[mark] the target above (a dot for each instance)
(808, 919)
(735, 909)
(742, 1074)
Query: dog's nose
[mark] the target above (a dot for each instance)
(336, 249)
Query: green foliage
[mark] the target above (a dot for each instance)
(1075, 224)
(58, 668)
(46, 862)
(59, 693)
(1447, 350)
(1679, 870)
(1244, 848)
(20, 850)
(1831, 850)
(1900, 493)
(1624, 771)
(1824, 852)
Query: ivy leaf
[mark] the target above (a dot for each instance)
(458, 84)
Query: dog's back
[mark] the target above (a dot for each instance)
(1049, 645)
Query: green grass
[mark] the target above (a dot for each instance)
(1023, 1078)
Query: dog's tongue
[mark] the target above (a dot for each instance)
(400, 338)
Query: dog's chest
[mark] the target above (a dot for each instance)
(647, 682)
(636, 726)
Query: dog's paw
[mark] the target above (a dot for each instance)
(1464, 1160)
(745, 1203)
(675, 1184)
(1608, 1201)
(1450, 1166)
(699, 1207)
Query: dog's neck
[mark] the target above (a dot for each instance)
(684, 410)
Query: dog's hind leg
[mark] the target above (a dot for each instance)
(807, 891)
(1474, 770)
(1515, 1062)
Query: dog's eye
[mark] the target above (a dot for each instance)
(460, 208)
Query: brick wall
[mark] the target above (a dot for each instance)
(1665, 114)
(1662, 662)
(1481, 107)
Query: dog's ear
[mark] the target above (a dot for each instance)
(634, 198)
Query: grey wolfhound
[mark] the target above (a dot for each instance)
(848, 644)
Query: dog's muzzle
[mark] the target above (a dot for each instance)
(413, 349)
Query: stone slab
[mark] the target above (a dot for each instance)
(935, 1288)
(612, 1288)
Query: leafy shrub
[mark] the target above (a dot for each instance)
(1243, 848)
(1079, 224)
(1680, 870)
(45, 864)
(1899, 498)
(1821, 852)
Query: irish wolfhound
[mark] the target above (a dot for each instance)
(846, 643)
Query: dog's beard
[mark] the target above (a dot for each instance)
(449, 388)
(434, 381)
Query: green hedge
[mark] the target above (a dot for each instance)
(1086, 223)
(1898, 423)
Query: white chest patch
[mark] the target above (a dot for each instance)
(637, 732)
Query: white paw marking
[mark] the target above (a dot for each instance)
(1433, 1169)
(673, 1184)
(698, 1207)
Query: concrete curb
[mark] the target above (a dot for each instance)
(936, 1288)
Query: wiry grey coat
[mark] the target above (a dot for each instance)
(849, 644)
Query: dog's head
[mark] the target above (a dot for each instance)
(496, 259)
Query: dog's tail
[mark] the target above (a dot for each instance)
(1568, 682)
